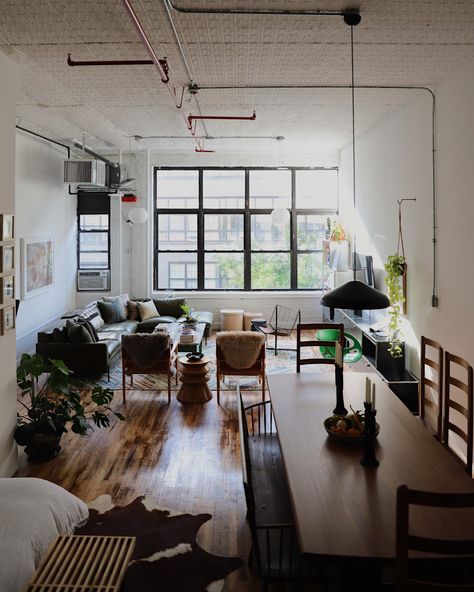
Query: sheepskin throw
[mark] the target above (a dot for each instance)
(145, 349)
(240, 348)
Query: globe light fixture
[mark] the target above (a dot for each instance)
(137, 216)
(280, 216)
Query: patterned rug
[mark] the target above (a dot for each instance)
(283, 363)
(166, 556)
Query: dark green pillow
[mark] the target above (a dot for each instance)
(170, 307)
(79, 334)
(90, 327)
(108, 311)
(60, 335)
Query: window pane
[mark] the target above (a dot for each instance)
(94, 241)
(310, 232)
(93, 222)
(224, 232)
(310, 268)
(177, 189)
(224, 189)
(266, 236)
(89, 260)
(177, 232)
(224, 271)
(270, 189)
(177, 270)
(270, 271)
(316, 189)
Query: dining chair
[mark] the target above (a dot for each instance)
(240, 353)
(300, 343)
(464, 391)
(434, 384)
(449, 565)
(148, 353)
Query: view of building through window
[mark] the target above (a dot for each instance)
(214, 230)
(93, 241)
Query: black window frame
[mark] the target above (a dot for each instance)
(247, 212)
(80, 231)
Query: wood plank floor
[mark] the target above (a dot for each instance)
(187, 457)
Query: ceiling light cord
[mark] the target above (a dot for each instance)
(354, 239)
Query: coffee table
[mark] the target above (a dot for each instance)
(174, 331)
(194, 378)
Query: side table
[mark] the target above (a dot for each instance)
(194, 378)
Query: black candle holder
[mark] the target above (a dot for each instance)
(339, 409)
(369, 460)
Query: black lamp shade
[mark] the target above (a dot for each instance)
(355, 295)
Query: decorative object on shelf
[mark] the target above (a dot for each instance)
(59, 402)
(37, 265)
(369, 460)
(335, 231)
(137, 216)
(7, 227)
(339, 369)
(354, 294)
(7, 289)
(280, 216)
(7, 318)
(7, 258)
(394, 270)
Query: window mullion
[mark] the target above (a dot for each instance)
(247, 245)
(200, 235)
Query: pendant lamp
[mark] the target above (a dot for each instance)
(354, 294)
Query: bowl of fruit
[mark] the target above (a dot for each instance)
(348, 428)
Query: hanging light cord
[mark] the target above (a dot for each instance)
(354, 240)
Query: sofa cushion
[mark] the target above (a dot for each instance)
(169, 307)
(78, 333)
(109, 312)
(147, 310)
(59, 335)
(113, 345)
(123, 327)
(121, 303)
(148, 325)
(92, 314)
(89, 326)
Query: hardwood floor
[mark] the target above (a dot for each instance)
(187, 457)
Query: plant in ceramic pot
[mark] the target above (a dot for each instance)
(188, 316)
(395, 268)
(54, 402)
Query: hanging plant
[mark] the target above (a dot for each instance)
(395, 268)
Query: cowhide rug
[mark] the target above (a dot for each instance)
(166, 556)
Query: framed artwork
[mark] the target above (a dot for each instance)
(37, 265)
(7, 289)
(7, 319)
(7, 229)
(7, 258)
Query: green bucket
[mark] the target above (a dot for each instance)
(352, 350)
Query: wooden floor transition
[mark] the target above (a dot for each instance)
(187, 457)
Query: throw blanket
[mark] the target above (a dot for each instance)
(240, 348)
(145, 349)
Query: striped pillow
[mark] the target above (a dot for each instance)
(91, 313)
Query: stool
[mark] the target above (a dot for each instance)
(232, 319)
(249, 317)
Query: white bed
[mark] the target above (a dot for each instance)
(33, 512)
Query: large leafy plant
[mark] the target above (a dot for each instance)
(188, 314)
(395, 268)
(52, 400)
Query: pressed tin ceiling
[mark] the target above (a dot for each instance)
(405, 42)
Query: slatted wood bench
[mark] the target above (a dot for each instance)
(76, 563)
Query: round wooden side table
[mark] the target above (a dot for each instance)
(194, 378)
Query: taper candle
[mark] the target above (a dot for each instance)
(367, 389)
(373, 396)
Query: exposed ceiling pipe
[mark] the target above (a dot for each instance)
(86, 149)
(192, 118)
(262, 11)
(72, 63)
(138, 137)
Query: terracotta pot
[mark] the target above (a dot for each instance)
(43, 446)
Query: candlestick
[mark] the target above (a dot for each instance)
(367, 389)
(340, 408)
(369, 460)
(373, 396)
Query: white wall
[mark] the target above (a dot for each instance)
(43, 206)
(394, 162)
(9, 84)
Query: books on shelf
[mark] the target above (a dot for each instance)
(187, 336)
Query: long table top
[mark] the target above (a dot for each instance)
(341, 508)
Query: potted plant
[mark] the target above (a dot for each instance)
(188, 316)
(395, 268)
(53, 403)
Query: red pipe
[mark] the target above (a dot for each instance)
(225, 117)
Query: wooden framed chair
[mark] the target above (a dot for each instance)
(463, 409)
(230, 361)
(161, 358)
(449, 566)
(431, 384)
(300, 343)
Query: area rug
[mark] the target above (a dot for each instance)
(283, 363)
(166, 555)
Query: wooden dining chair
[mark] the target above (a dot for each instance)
(300, 343)
(464, 390)
(433, 385)
(448, 567)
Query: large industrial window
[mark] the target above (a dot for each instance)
(213, 228)
(93, 221)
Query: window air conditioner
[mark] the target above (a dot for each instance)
(84, 172)
(89, 280)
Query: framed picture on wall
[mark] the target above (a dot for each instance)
(7, 258)
(7, 230)
(7, 319)
(37, 265)
(7, 289)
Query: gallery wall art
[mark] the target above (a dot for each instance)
(37, 265)
(7, 273)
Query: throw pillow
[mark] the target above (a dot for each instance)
(108, 312)
(79, 334)
(133, 312)
(59, 336)
(170, 307)
(121, 304)
(147, 310)
(92, 314)
(90, 327)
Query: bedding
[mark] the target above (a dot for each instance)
(33, 512)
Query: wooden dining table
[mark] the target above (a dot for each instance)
(340, 508)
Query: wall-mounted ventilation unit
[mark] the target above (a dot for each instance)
(89, 280)
(84, 172)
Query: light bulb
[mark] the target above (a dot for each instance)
(137, 216)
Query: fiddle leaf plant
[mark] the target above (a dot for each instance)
(395, 268)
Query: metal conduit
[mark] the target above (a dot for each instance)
(254, 11)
